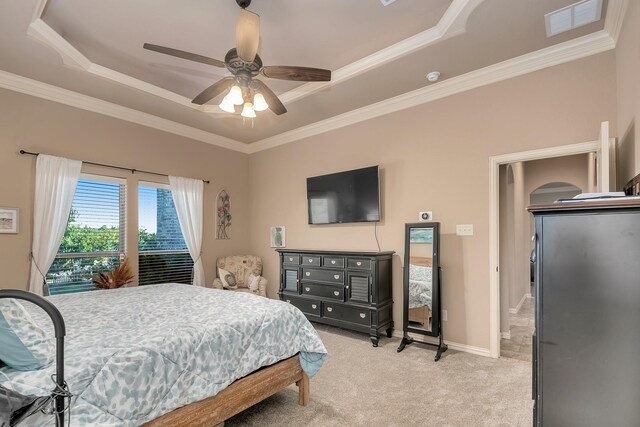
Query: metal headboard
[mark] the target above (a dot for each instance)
(60, 332)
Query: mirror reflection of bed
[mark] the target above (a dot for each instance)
(420, 287)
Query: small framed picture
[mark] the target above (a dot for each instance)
(9, 220)
(277, 237)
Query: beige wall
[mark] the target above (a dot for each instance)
(628, 91)
(433, 157)
(41, 126)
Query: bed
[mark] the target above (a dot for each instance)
(172, 355)
(420, 290)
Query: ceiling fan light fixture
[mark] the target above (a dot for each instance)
(235, 95)
(248, 111)
(259, 103)
(227, 105)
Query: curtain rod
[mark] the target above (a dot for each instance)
(113, 167)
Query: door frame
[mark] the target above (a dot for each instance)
(494, 222)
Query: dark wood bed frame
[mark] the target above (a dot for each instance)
(239, 396)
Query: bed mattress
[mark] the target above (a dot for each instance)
(134, 354)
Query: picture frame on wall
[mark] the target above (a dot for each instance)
(9, 218)
(278, 236)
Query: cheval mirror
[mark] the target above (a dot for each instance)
(422, 310)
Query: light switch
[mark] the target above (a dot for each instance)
(464, 229)
(444, 315)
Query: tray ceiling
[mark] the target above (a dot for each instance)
(375, 52)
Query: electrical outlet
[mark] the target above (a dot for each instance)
(444, 315)
(425, 216)
(464, 229)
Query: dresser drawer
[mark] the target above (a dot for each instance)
(305, 306)
(348, 314)
(291, 259)
(313, 260)
(324, 291)
(320, 275)
(333, 261)
(361, 263)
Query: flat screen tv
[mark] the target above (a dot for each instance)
(351, 196)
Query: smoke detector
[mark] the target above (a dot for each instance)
(386, 2)
(433, 76)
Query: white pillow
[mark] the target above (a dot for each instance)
(23, 344)
(228, 280)
(254, 282)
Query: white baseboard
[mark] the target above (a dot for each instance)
(479, 351)
(517, 309)
(506, 335)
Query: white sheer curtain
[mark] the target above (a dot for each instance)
(188, 197)
(56, 182)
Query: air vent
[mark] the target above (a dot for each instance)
(576, 15)
(386, 2)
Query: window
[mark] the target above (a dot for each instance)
(162, 253)
(94, 240)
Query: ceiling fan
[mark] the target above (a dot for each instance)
(244, 63)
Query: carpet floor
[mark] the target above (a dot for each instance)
(360, 385)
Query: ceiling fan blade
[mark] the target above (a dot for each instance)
(214, 90)
(274, 103)
(298, 74)
(247, 35)
(184, 55)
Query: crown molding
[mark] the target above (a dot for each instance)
(452, 23)
(616, 11)
(582, 47)
(53, 93)
(571, 50)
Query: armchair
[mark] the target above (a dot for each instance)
(242, 266)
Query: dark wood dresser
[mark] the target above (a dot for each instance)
(351, 290)
(586, 349)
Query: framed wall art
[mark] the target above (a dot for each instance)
(9, 218)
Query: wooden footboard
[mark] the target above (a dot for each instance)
(239, 396)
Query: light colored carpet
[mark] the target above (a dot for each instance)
(364, 386)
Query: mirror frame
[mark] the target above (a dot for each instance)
(435, 279)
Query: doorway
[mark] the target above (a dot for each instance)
(495, 162)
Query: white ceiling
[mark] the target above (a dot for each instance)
(375, 52)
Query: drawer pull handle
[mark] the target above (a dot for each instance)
(358, 263)
(310, 259)
(329, 309)
(314, 306)
(336, 293)
(289, 301)
(308, 273)
(363, 315)
(333, 261)
(336, 276)
(307, 289)
(290, 259)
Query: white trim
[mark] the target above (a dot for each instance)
(71, 57)
(479, 351)
(452, 23)
(53, 93)
(516, 310)
(103, 178)
(574, 49)
(152, 184)
(561, 53)
(616, 11)
(494, 223)
(505, 335)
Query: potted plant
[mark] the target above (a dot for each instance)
(117, 278)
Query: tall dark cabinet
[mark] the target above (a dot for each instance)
(586, 361)
(351, 290)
